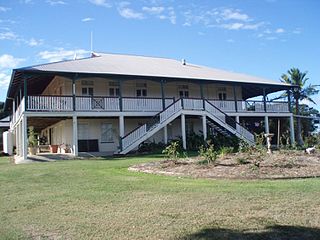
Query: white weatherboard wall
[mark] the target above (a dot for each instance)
(63, 86)
(62, 131)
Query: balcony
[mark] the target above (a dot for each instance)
(130, 104)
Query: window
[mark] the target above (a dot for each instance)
(141, 92)
(114, 89)
(183, 91)
(114, 92)
(87, 91)
(106, 132)
(222, 96)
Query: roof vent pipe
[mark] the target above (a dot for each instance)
(183, 61)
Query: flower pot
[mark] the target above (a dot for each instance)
(54, 148)
(32, 150)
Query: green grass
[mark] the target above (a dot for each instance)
(101, 199)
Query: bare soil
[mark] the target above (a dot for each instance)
(254, 165)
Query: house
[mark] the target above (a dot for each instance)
(112, 103)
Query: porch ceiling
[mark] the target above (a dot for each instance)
(40, 123)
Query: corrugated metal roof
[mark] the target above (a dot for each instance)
(133, 65)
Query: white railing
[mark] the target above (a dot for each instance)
(97, 104)
(245, 133)
(20, 109)
(164, 115)
(142, 104)
(192, 104)
(134, 136)
(50, 103)
(142, 130)
(226, 106)
(277, 107)
(214, 111)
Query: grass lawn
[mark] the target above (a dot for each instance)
(101, 199)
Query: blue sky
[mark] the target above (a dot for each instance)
(263, 37)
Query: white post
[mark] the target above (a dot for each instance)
(165, 134)
(266, 124)
(292, 139)
(238, 119)
(18, 138)
(204, 127)
(75, 135)
(121, 126)
(24, 138)
(14, 111)
(183, 131)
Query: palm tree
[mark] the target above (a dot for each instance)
(299, 93)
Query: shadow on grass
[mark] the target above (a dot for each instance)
(275, 232)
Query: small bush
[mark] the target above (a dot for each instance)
(242, 161)
(226, 150)
(171, 152)
(208, 153)
(244, 146)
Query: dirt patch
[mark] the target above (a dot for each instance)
(278, 165)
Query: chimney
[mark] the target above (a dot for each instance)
(183, 61)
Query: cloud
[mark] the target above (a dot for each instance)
(8, 36)
(279, 30)
(4, 9)
(61, 54)
(238, 26)
(102, 3)
(87, 19)
(33, 42)
(129, 13)
(231, 14)
(8, 61)
(171, 15)
(4, 80)
(153, 10)
(56, 2)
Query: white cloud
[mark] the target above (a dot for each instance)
(8, 61)
(87, 19)
(34, 42)
(4, 9)
(153, 10)
(4, 80)
(56, 2)
(244, 26)
(231, 14)
(62, 54)
(280, 30)
(102, 3)
(8, 36)
(129, 13)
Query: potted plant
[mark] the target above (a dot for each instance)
(65, 148)
(32, 142)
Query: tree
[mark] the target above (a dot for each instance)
(298, 93)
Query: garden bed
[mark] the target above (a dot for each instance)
(278, 165)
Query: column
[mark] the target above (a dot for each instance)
(204, 127)
(183, 131)
(162, 94)
(18, 138)
(292, 139)
(121, 130)
(264, 100)
(75, 135)
(235, 98)
(24, 137)
(165, 134)
(74, 92)
(266, 124)
(238, 119)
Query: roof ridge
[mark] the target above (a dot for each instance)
(135, 55)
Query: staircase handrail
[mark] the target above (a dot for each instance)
(231, 120)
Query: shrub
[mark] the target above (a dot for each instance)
(226, 150)
(244, 146)
(242, 161)
(171, 152)
(150, 147)
(208, 153)
(32, 139)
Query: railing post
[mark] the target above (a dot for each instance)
(162, 94)
(235, 98)
(202, 95)
(182, 105)
(74, 92)
(264, 100)
(120, 96)
(289, 100)
(25, 92)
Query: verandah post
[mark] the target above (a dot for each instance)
(162, 94)
(120, 95)
(264, 99)
(235, 98)
(74, 91)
